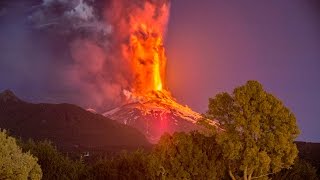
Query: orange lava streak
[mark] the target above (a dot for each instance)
(146, 53)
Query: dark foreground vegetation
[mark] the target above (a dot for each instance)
(256, 142)
(180, 156)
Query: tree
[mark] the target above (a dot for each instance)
(133, 165)
(188, 156)
(14, 164)
(177, 156)
(53, 163)
(126, 165)
(258, 131)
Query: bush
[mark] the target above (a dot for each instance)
(180, 156)
(188, 156)
(133, 165)
(14, 164)
(300, 170)
(53, 163)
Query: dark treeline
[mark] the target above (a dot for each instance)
(180, 156)
(177, 156)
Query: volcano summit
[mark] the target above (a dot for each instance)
(156, 113)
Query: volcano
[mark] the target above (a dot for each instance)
(149, 105)
(157, 113)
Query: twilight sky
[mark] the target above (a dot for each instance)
(212, 46)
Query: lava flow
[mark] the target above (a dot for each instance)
(150, 107)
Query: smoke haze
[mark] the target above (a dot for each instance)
(68, 50)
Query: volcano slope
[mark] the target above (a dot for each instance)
(68, 126)
(157, 113)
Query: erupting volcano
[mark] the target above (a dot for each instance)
(119, 60)
(149, 105)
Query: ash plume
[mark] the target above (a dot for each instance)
(87, 63)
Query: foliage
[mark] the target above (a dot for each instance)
(258, 131)
(14, 164)
(180, 156)
(125, 166)
(133, 165)
(53, 163)
(300, 170)
(184, 156)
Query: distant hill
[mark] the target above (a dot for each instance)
(68, 126)
(310, 152)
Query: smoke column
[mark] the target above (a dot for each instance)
(140, 27)
(114, 46)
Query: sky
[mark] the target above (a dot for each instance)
(215, 46)
(212, 46)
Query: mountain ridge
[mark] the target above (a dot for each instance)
(7, 95)
(67, 125)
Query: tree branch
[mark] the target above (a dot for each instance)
(245, 173)
(231, 175)
(262, 176)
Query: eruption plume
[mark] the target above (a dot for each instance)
(146, 49)
(150, 107)
(114, 45)
(118, 59)
(143, 31)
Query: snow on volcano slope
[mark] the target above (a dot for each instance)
(155, 114)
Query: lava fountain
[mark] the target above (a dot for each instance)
(145, 51)
(150, 107)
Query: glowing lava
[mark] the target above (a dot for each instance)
(149, 106)
(145, 51)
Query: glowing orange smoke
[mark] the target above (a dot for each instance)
(145, 51)
(140, 27)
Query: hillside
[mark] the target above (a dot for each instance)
(67, 125)
(156, 113)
